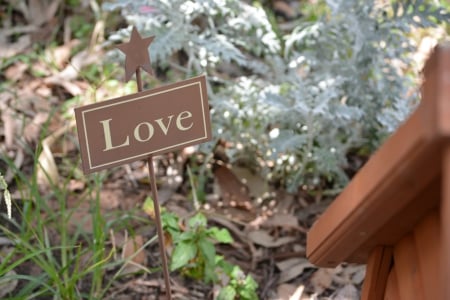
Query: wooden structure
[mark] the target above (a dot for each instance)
(394, 215)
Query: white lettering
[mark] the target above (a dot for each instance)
(108, 139)
(162, 126)
(184, 115)
(137, 134)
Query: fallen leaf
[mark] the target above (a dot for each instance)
(47, 171)
(16, 71)
(281, 220)
(66, 77)
(256, 185)
(5, 241)
(233, 191)
(294, 270)
(110, 198)
(7, 283)
(33, 129)
(348, 292)
(290, 262)
(41, 11)
(298, 293)
(286, 9)
(135, 256)
(9, 125)
(359, 275)
(11, 49)
(322, 279)
(60, 55)
(284, 291)
(262, 238)
(80, 219)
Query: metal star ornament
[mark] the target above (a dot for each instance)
(136, 54)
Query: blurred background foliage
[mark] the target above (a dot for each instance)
(303, 95)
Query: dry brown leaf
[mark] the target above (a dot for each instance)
(41, 11)
(285, 8)
(256, 185)
(18, 161)
(9, 125)
(294, 269)
(32, 129)
(80, 219)
(110, 198)
(348, 292)
(290, 292)
(281, 220)
(322, 279)
(16, 71)
(66, 77)
(284, 290)
(76, 185)
(359, 275)
(47, 171)
(232, 190)
(345, 274)
(134, 255)
(262, 238)
(351, 269)
(7, 285)
(59, 56)
(289, 263)
(11, 49)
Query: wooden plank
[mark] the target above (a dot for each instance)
(378, 192)
(391, 292)
(403, 167)
(398, 226)
(445, 225)
(377, 271)
(436, 89)
(407, 269)
(427, 242)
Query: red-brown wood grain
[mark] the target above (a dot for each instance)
(378, 267)
(399, 199)
(407, 268)
(427, 237)
(392, 291)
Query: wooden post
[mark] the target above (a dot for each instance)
(378, 267)
(445, 224)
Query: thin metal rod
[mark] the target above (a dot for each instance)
(162, 247)
(152, 176)
(139, 80)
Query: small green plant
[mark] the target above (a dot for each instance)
(194, 254)
(194, 251)
(240, 286)
(6, 195)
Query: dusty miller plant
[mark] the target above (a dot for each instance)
(294, 103)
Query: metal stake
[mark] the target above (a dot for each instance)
(152, 177)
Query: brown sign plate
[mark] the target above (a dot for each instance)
(129, 128)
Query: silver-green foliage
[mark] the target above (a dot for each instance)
(293, 101)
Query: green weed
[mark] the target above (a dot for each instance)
(194, 254)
